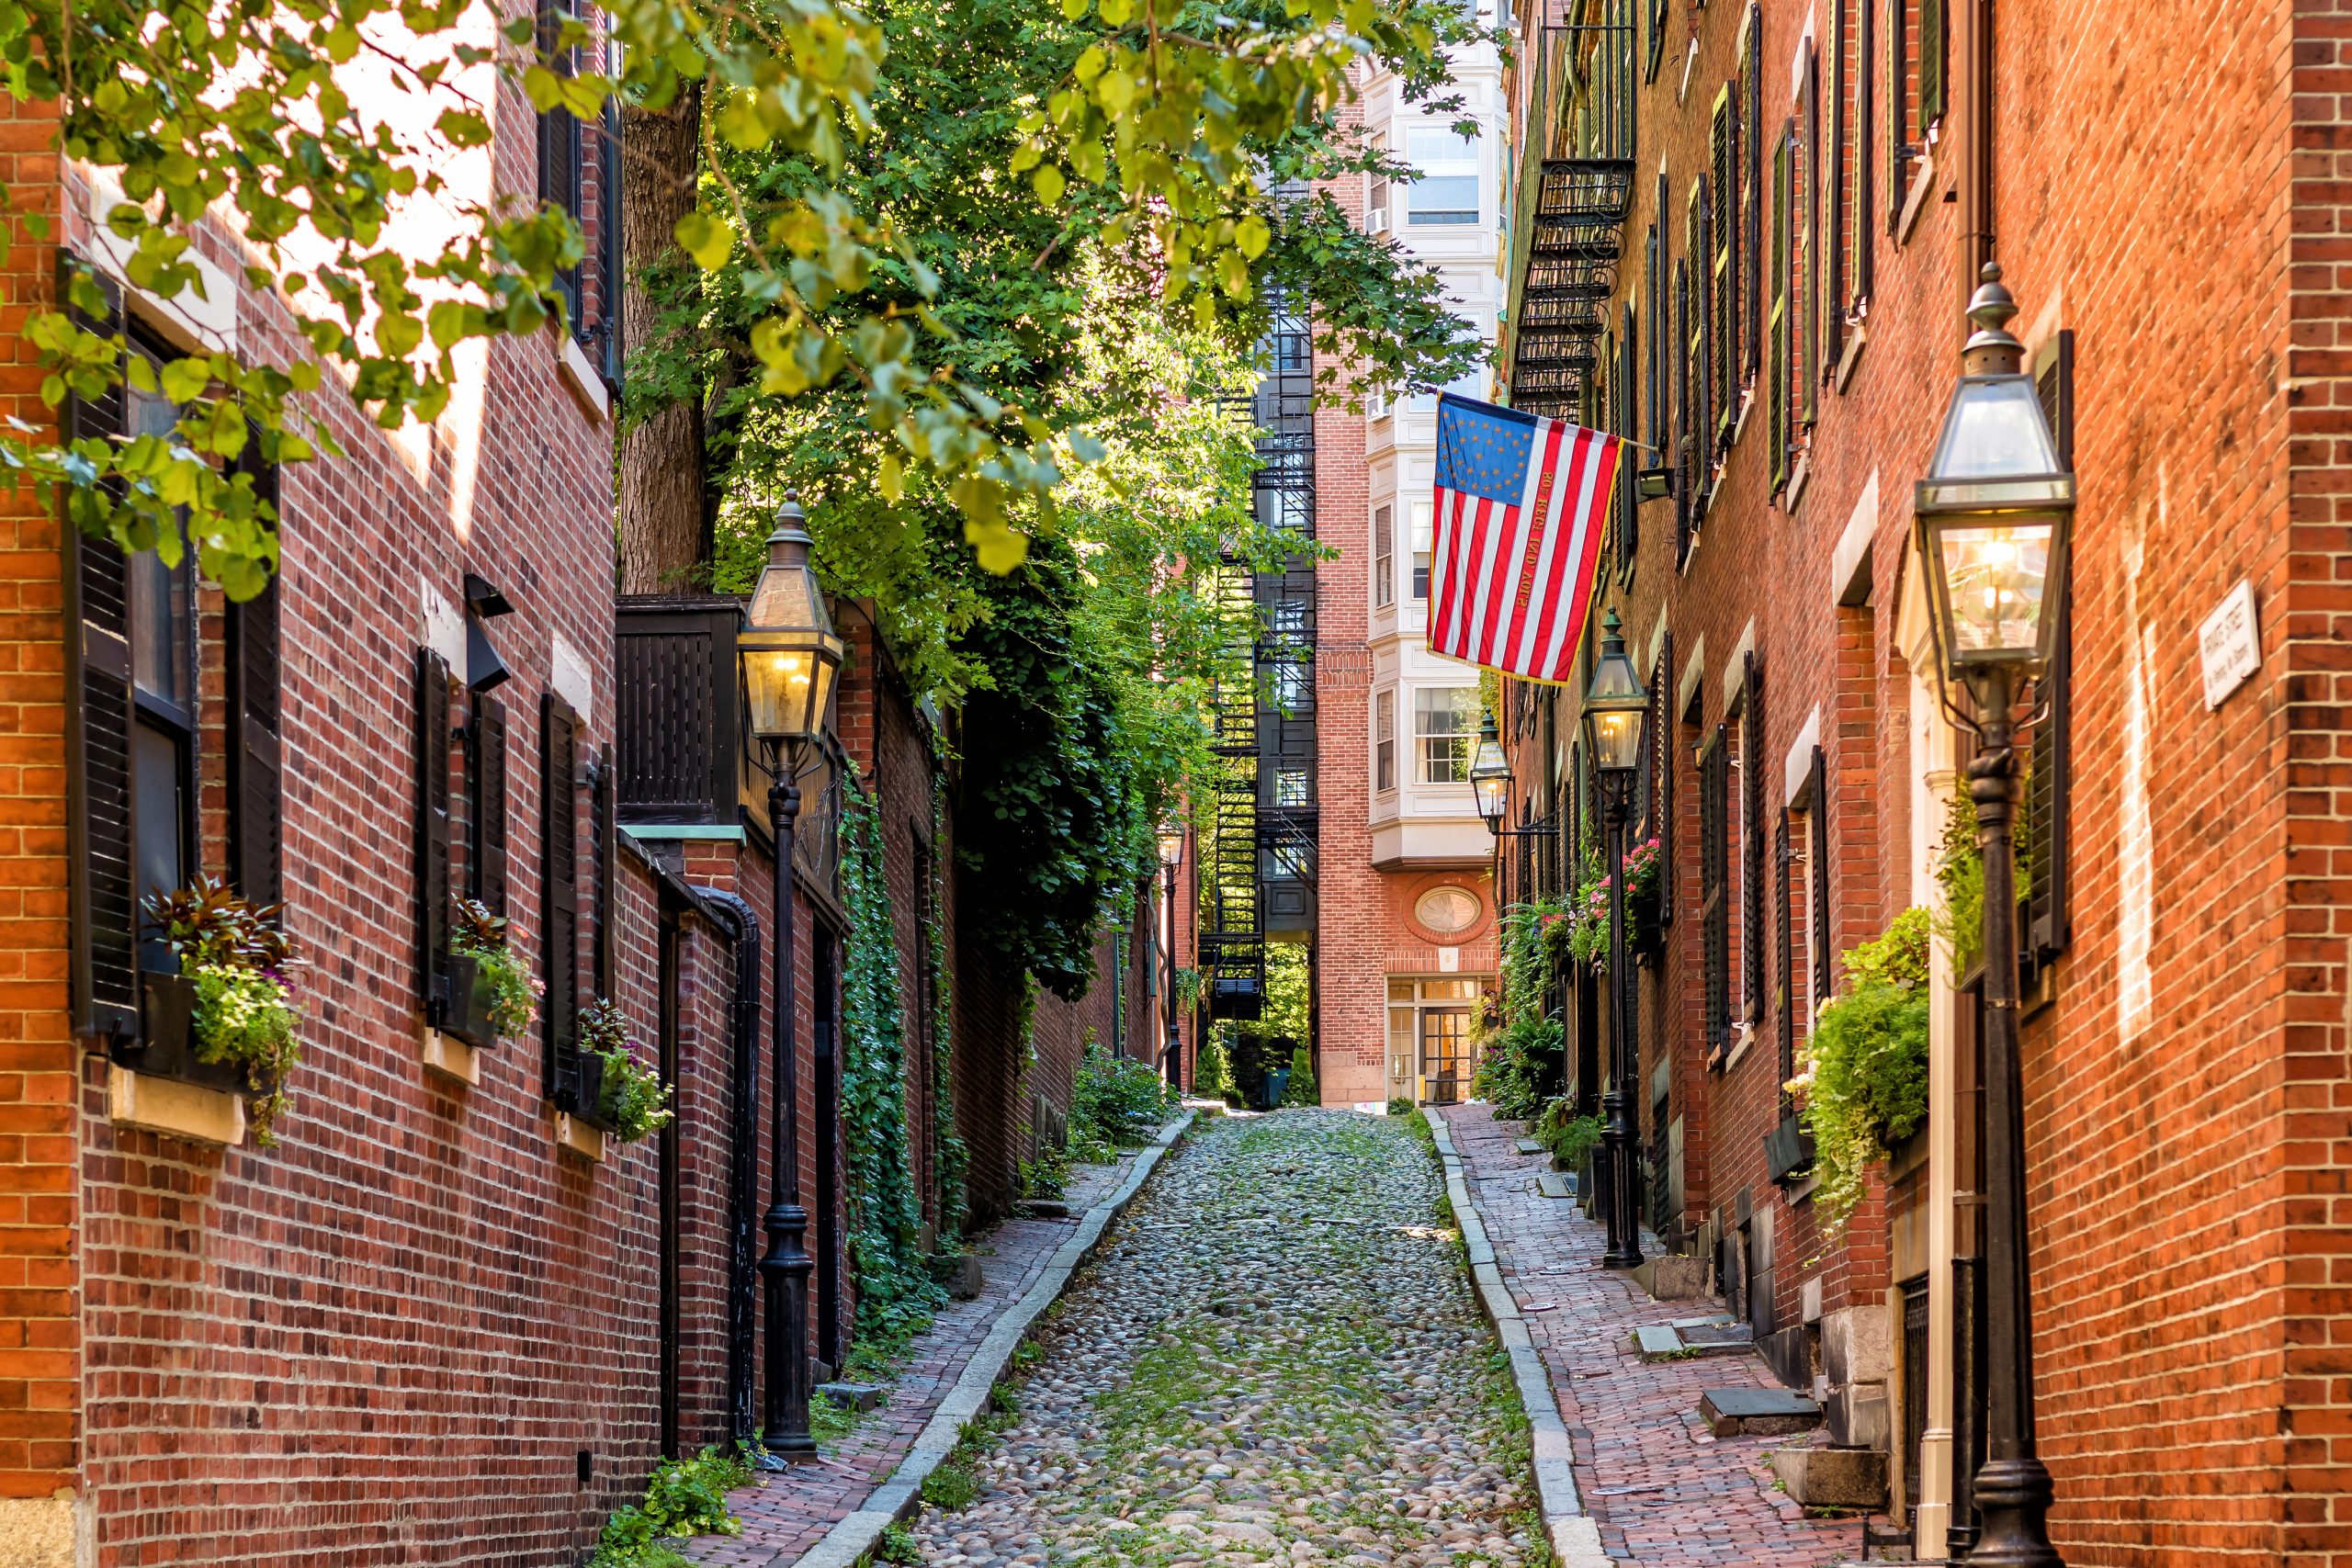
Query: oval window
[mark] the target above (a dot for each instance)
(1447, 910)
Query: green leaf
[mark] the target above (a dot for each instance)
(1048, 184)
(706, 239)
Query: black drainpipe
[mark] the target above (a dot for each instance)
(742, 928)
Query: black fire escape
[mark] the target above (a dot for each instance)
(1259, 860)
(1576, 190)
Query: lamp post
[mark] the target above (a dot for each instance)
(1615, 703)
(788, 655)
(1172, 856)
(1993, 520)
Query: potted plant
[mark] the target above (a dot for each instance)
(615, 1090)
(1861, 1084)
(489, 994)
(227, 1019)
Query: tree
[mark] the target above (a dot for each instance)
(667, 506)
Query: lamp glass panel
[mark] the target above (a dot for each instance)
(1995, 577)
(786, 600)
(1171, 846)
(780, 683)
(1617, 738)
(1486, 763)
(1491, 793)
(1993, 430)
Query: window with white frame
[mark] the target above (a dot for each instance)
(1470, 384)
(1443, 720)
(1421, 549)
(1445, 186)
(1384, 558)
(1383, 741)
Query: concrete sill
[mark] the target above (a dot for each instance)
(1857, 334)
(176, 1110)
(1923, 179)
(451, 1057)
(574, 1136)
(583, 378)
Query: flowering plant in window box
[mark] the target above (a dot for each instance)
(617, 1092)
(1862, 1080)
(1589, 938)
(493, 995)
(227, 1019)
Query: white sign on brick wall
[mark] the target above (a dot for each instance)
(1449, 959)
(2229, 643)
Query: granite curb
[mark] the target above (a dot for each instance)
(1575, 1537)
(854, 1536)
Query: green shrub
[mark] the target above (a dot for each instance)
(1301, 1090)
(898, 1545)
(683, 1497)
(1115, 1100)
(1213, 1071)
(1863, 1075)
(1047, 1176)
(1401, 1106)
(1569, 1137)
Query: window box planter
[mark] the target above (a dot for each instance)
(1788, 1150)
(588, 1094)
(466, 998)
(1646, 927)
(167, 1040)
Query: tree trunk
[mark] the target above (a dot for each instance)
(664, 537)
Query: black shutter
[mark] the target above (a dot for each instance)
(105, 961)
(1809, 164)
(1714, 869)
(486, 803)
(1833, 179)
(1664, 732)
(1629, 500)
(603, 844)
(431, 830)
(1931, 64)
(1661, 344)
(1865, 185)
(256, 765)
(2049, 787)
(1723, 186)
(1784, 1004)
(559, 773)
(1825, 929)
(1752, 770)
(1705, 305)
(1751, 153)
(1679, 456)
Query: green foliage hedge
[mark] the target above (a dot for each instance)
(1863, 1075)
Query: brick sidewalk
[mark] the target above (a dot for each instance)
(1664, 1491)
(783, 1515)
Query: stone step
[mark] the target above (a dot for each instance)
(1690, 1341)
(1670, 1278)
(850, 1395)
(1756, 1412)
(1551, 1184)
(1529, 1147)
(1833, 1478)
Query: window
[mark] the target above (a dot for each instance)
(1807, 283)
(1751, 813)
(163, 685)
(1444, 718)
(1722, 219)
(1448, 911)
(1421, 547)
(1751, 197)
(1915, 94)
(1294, 691)
(1290, 786)
(1384, 558)
(1471, 384)
(1445, 188)
(580, 172)
(1375, 190)
(1384, 742)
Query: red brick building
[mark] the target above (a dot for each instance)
(447, 1314)
(1798, 201)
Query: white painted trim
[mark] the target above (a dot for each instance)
(200, 319)
(1857, 334)
(1849, 563)
(1694, 669)
(1923, 179)
(439, 625)
(1739, 651)
(1796, 768)
(573, 681)
(586, 383)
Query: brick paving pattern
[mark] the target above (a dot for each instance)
(1664, 1491)
(783, 1515)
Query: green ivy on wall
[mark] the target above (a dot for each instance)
(953, 1161)
(894, 1292)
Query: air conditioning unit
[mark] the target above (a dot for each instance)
(1376, 220)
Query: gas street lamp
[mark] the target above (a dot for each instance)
(1172, 856)
(1490, 775)
(789, 655)
(1993, 520)
(1616, 705)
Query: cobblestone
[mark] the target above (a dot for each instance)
(1274, 1359)
(783, 1517)
(1664, 1491)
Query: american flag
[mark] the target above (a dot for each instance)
(1521, 501)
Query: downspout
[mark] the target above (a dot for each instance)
(1975, 174)
(736, 919)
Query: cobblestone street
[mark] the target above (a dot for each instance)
(1276, 1357)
